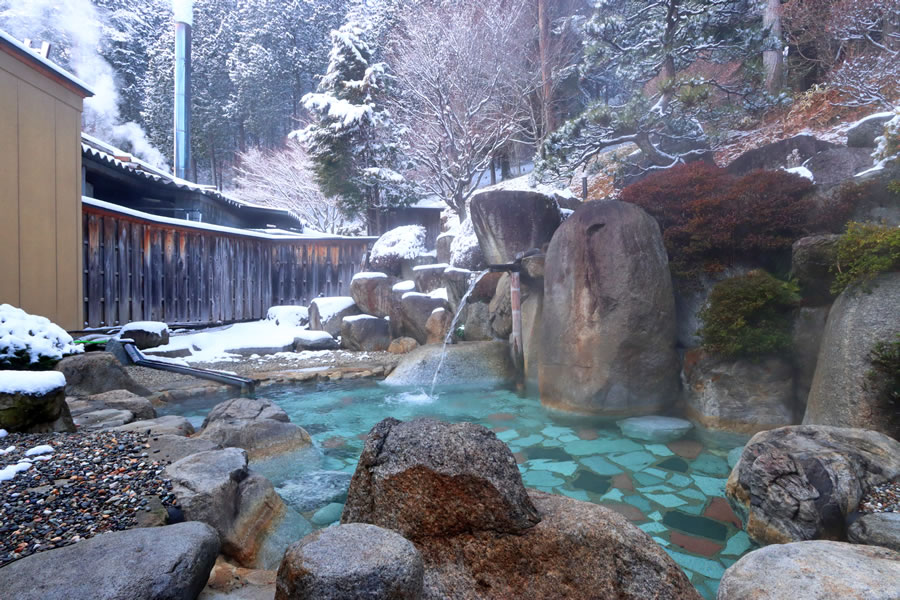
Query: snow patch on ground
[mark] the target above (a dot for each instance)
(296, 316)
(310, 337)
(329, 307)
(38, 450)
(8, 472)
(3, 433)
(403, 242)
(217, 345)
(36, 337)
(32, 383)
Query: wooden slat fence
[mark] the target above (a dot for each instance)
(137, 270)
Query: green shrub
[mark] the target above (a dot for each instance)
(865, 251)
(749, 315)
(884, 378)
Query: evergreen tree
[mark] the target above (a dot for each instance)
(352, 141)
(639, 50)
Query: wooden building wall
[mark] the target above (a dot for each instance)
(40, 193)
(139, 269)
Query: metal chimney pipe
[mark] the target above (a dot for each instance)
(183, 21)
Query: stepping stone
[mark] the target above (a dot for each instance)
(674, 464)
(655, 428)
(695, 544)
(734, 456)
(577, 494)
(659, 449)
(679, 481)
(586, 433)
(591, 482)
(585, 447)
(720, 510)
(711, 486)
(655, 515)
(623, 482)
(613, 495)
(639, 502)
(634, 460)
(661, 541)
(568, 438)
(507, 435)
(646, 479)
(693, 494)
(704, 566)
(696, 525)
(530, 440)
(632, 513)
(501, 417)
(686, 448)
(656, 472)
(552, 431)
(711, 465)
(600, 466)
(541, 479)
(563, 468)
(652, 528)
(694, 509)
(737, 544)
(539, 453)
(667, 500)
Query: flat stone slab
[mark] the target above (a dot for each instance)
(655, 428)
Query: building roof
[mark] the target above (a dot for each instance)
(19, 50)
(126, 162)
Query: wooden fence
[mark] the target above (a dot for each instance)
(139, 269)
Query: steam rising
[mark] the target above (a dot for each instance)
(184, 11)
(75, 25)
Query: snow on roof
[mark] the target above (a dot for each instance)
(36, 59)
(315, 235)
(129, 163)
(430, 203)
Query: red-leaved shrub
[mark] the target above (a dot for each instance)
(711, 219)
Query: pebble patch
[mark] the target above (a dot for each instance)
(881, 498)
(78, 486)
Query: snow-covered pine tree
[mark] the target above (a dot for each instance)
(352, 141)
(642, 47)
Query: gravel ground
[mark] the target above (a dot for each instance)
(881, 498)
(88, 484)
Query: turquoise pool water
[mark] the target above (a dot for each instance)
(674, 492)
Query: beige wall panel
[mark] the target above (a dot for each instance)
(9, 191)
(68, 215)
(40, 80)
(37, 201)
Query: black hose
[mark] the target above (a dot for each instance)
(138, 358)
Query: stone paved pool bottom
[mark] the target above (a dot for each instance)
(674, 492)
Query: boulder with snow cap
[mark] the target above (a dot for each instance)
(396, 246)
(507, 222)
(291, 316)
(326, 314)
(315, 340)
(28, 340)
(414, 311)
(34, 402)
(372, 293)
(442, 246)
(438, 326)
(365, 333)
(429, 277)
(863, 133)
(146, 334)
(465, 251)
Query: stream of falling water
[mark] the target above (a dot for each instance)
(462, 305)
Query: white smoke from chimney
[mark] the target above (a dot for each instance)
(184, 11)
(76, 24)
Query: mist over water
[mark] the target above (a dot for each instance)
(75, 30)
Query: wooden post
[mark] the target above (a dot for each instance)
(515, 340)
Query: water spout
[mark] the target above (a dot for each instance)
(462, 305)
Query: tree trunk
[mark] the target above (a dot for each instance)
(773, 58)
(546, 69)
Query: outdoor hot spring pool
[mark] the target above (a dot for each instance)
(674, 492)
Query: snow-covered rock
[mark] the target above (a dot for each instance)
(315, 340)
(325, 314)
(34, 401)
(864, 133)
(27, 340)
(396, 246)
(295, 316)
(465, 251)
(365, 333)
(802, 172)
(146, 334)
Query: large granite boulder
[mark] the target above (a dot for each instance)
(437, 327)
(837, 165)
(217, 488)
(475, 364)
(103, 418)
(429, 278)
(398, 248)
(731, 399)
(800, 483)
(314, 340)
(372, 293)
(95, 373)
(841, 393)
(146, 334)
(327, 314)
(507, 222)
(862, 134)
(442, 246)
(812, 261)
(350, 562)
(819, 570)
(500, 309)
(876, 529)
(775, 155)
(34, 402)
(608, 319)
(165, 425)
(156, 563)
(465, 250)
(413, 312)
(365, 333)
(259, 426)
(167, 448)
(122, 400)
(806, 341)
(455, 491)
(288, 315)
(402, 345)
(429, 478)
(477, 324)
